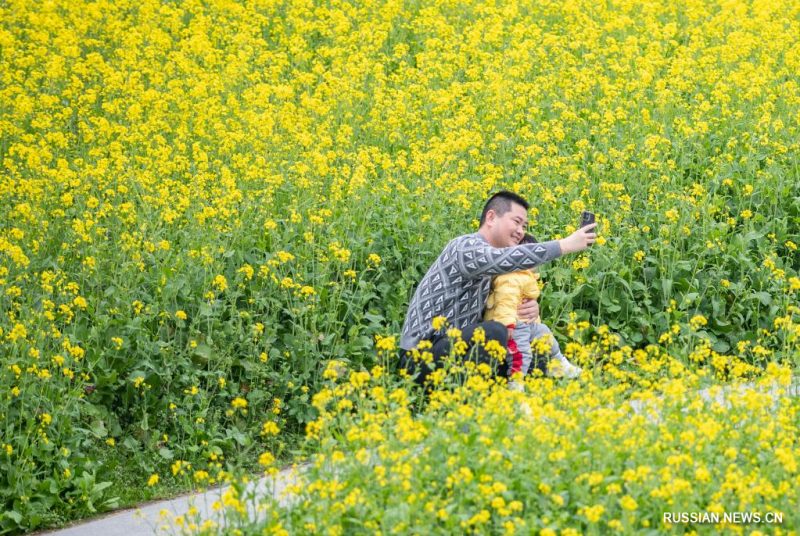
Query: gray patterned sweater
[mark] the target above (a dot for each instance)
(457, 284)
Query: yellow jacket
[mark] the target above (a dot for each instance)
(508, 291)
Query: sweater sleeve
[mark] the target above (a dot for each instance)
(506, 293)
(476, 258)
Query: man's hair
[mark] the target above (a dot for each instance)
(501, 203)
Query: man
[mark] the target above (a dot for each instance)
(457, 284)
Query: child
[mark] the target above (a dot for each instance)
(508, 291)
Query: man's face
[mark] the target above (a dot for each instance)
(508, 229)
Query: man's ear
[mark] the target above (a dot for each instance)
(491, 215)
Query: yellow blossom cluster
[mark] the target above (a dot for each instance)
(475, 457)
(230, 189)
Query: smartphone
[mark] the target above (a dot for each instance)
(586, 219)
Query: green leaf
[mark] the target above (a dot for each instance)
(327, 339)
(14, 516)
(374, 318)
(256, 396)
(666, 287)
(690, 297)
(98, 429)
(203, 350)
(165, 453)
(721, 346)
(100, 486)
(238, 436)
(764, 297)
(753, 235)
(638, 285)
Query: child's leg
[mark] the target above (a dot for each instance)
(513, 354)
(539, 331)
(522, 335)
(569, 370)
(538, 359)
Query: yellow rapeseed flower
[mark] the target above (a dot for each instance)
(220, 283)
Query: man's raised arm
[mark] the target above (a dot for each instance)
(477, 258)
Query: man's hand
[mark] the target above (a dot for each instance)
(579, 240)
(528, 311)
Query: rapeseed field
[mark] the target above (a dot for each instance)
(203, 204)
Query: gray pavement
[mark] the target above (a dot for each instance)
(149, 519)
(721, 395)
